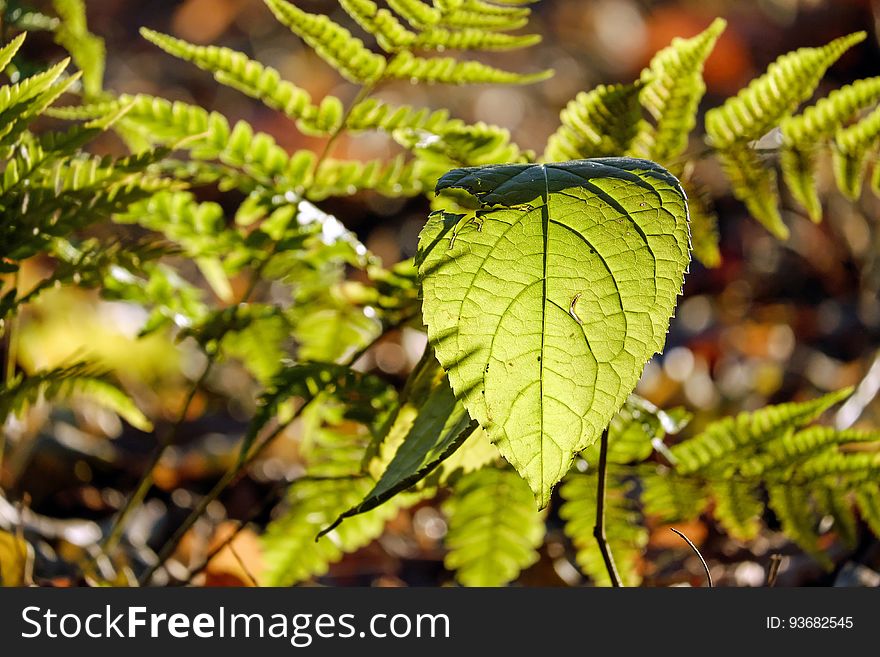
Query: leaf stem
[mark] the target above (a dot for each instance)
(702, 560)
(599, 528)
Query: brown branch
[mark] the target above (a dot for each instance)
(599, 528)
(702, 560)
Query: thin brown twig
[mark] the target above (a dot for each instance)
(697, 552)
(773, 572)
(242, 564)
(599, 528)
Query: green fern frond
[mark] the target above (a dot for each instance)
(850, 157)
(237, 70)
(725, 436)
(373, 114)
(438, 38)
(803, 135)
(394, 178)
(8, 51)
(755, 185)
(791, 447)
(738, 508)
(673, 88)
(624, 529)
(789, 81)
(862, 465)
(705, 238)
(671, 498)
(332, 42)
(460, 144)
(87, 49)
(868, 504)
(836, 502)
(479, 18)
(406, 66)
(290, 550)
(798, 519)
(494, 528)
(390, 34)
(417, 13)
(598, 123)
(14, 97)
(61, 383)
(799, 172)
(829, 114)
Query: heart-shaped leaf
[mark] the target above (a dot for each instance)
(545, 304)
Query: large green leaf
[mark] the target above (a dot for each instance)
(545, 304)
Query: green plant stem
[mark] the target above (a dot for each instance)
(599, 528)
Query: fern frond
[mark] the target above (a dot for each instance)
(87, 49)
(705, 238)
(417, 13)
(460, 144)
(738, 508)
(237, 70)
(494, 528)
(332, 42)
(850, 157)
(373, 114)
(625, 532)
(390, 34)
(397, 177)
(829, 114)
(476, 15)
(791, 447)
(836, 502)
(290, 550)
(673, 88)
(671, 498)
(789, 81)
(729, 434)
(61, 383)
(868, 504)
(406, 66)
(798, 519)
(598, 123)
(755, 185)
(803, 135)
(8, 51)
(438, 38)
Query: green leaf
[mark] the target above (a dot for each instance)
(440, 428)
(494, 528)
(545, 304)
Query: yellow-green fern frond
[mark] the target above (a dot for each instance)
(804, 134)
(438, 38)
(799, 172)
(8, 51)
(482, 20)
(738, 508)
(755, 185)
(868, 503)
(671, 498)
(335, 44)
(789, 81)
(799, 521)
(704, 225)
(598, 123)
(374, 114)
(829, 114)
(406, 66)
(460, 144)
(836, 502)
(672, 92)
(417, 13)
(86, 48)
(625, 533)
(729, 434)
(853, 145)
(325, 119)
(390, 34)
(791, 447)
(494, 528)
(237, 70)
(397, 177)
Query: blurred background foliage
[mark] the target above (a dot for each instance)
(776, 321)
